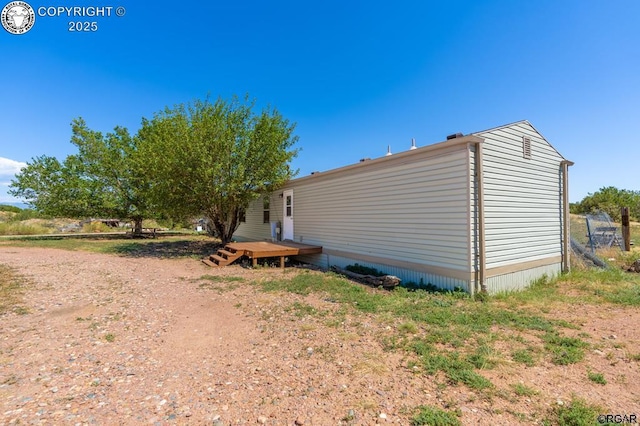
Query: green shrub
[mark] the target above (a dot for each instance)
(523, 356)
(432, 416)
(95, 227)
(564, 350)
(18, 228)
(12, 209)
(597, 378)
(576, 413)
(364, 270)
(26, 214)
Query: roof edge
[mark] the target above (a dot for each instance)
(533, 127)
(463, 140)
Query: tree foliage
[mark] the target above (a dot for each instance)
(213, 158)
(610, 199)
(103, 179)
(200, 159)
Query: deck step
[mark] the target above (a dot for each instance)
(223, 257)
(260, 249)
(209, 263)
(221, 261)
(228, 254)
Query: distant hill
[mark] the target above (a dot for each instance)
(19, 205)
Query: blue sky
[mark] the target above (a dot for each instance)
(355, 76)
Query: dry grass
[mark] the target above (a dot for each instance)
(10, 291)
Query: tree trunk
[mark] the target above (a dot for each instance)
(137, 226)
(224, 225)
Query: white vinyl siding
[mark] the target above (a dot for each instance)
(522, 200)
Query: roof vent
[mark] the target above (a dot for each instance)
(388, 151)
(362, 160)
(413, 143)
(315, 173)
(454, 136)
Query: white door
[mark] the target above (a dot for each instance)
(287, 220)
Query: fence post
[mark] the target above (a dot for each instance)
(626, 233)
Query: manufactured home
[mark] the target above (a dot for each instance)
(487, 211)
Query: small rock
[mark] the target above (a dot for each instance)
(383, 416)
(299, 421)
(262, 420)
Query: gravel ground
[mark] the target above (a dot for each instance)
(115, 340)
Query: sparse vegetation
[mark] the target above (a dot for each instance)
(11, 291)
(524, 356)
(408, 328)
(21, 228)
(96, 226)
(431, 416)
(597, 378)
(446, 334)
(564, 350)
(576, 413)
(522, 390)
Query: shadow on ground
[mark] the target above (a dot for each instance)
(167, 249)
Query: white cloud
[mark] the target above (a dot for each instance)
(4, 197)
(10, 167)
(8, 170)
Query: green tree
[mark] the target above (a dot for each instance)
(104, 178)
(609, 199)
(212, 159)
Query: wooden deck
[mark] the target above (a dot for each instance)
(260, 249)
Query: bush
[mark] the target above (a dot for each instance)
(576, 413)
(432, 416)
(364, 270)
(95, 227)
(26, 214)
(17, 228)
(609, 199)
(12, 209)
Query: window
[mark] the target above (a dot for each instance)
(289, 205)
(242, 215)
(265, 210)
(526, 147)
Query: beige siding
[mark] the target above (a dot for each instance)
(414, 211)
(254, 229)
(415, 214)
(522, 197)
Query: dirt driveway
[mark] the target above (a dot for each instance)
(115, 340)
